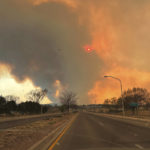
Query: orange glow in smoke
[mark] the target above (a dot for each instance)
(108, 87)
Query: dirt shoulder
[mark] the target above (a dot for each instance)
(24, 136)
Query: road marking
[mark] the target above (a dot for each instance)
(101, 123)
(62, 133)
(139, 146)
(98, 139)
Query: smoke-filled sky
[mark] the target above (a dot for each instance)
(43, 42)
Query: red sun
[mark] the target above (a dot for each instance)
(88, 49)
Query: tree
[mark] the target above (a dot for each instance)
(11, 106)
(45, 109)
(136, 95)
(37, 95)
(11, 98)
(29, 107)
(113, 101)
(106, 101)
(68, 99)
(2, 104)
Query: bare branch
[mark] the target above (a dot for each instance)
(37, 95)
(68, 98)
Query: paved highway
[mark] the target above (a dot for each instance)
(22, 121)
(92, 132)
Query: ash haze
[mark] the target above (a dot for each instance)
(44, 40)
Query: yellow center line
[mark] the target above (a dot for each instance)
(62, 133)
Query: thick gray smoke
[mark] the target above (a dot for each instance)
(45, 44)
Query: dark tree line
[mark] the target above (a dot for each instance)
(132, 98)
(28, 107)
(8, 104)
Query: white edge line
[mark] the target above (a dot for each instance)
(139, 146)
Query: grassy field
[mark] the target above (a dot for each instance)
(24, 136)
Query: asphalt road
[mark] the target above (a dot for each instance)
(18, 122)
(92, 132)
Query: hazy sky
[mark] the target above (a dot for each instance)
(43, 41)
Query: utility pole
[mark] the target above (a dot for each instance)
(122, 100)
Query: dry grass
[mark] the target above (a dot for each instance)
(22, 137)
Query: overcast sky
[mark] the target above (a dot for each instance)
(44, 40)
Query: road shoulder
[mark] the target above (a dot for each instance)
(134, 121)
